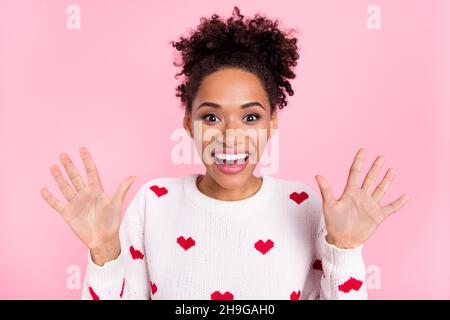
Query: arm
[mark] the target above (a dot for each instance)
(348, 221)
(126, 276)
(114, 270)
(336, 273)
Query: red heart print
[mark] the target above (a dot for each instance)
(350, 284)
(123, 286)
(93, 294)
(159, 191)
(185, 243)
(299, 197)
(154, 287)
(318, 265)
(263, 247)
(296, 295)
(217, 295)
(136, 254)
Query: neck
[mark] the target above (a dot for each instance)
(208, 186)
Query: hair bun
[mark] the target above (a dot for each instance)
(256, 44)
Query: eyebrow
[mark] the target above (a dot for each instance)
(218, 106)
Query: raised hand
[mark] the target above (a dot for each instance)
(91, 214)
(353, 218)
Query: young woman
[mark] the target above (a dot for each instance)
(227, 234)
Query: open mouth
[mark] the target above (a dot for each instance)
(230, 163)
(230, 158)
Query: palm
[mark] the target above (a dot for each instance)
(353, 218)
(90, 213)
(92, 216)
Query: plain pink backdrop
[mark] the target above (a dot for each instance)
(110, 86)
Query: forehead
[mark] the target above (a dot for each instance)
(230, 86)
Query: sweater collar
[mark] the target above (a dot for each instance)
(243, 206)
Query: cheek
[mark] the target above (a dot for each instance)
(262, 136)
(208, 136)
(206, 143)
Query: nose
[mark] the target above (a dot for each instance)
(233, 135)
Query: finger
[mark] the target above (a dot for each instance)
(52, 201)
(325, 190)
(91, 169)
(72, 172)
(395, 205)
(123, 189)
(355, 169)
(381, 189)
(63, 185)
(373, 173)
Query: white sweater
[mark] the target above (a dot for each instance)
(178, 243)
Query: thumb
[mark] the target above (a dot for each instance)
(325, 189)
(123, 189)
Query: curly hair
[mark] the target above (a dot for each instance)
(255, 45)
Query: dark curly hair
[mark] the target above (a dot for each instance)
(255, 44)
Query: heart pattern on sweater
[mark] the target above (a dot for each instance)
(318, 265)
(350, 284)
(185, 243)
(217, 295)
(298, 197)
(153, 287)
(93, 294)
(264, 246)
(123, 286)
(136, 254)
(159, 191)
(296, 295)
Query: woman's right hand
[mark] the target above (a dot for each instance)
(91, 214)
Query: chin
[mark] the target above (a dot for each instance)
(231, 181)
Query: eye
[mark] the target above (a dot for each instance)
(210, 117)
(252, 117)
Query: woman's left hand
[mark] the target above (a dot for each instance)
(353, 218)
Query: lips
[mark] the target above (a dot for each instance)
(230, 161)
(230, 158)
(230, 167)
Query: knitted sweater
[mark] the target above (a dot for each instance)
(178, 243)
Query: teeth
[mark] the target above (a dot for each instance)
(230, 157)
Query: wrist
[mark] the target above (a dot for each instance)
(105, 252)
(340, 244)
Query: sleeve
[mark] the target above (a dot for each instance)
(335, 273)
(126, 277)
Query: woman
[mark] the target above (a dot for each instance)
(227, 234)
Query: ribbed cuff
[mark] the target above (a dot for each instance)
(341, 257)
(111, 271)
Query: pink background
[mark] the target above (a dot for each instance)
(110, 86)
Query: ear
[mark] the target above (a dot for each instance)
(273, 123)
(187, 124)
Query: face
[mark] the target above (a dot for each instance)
(231, 123)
